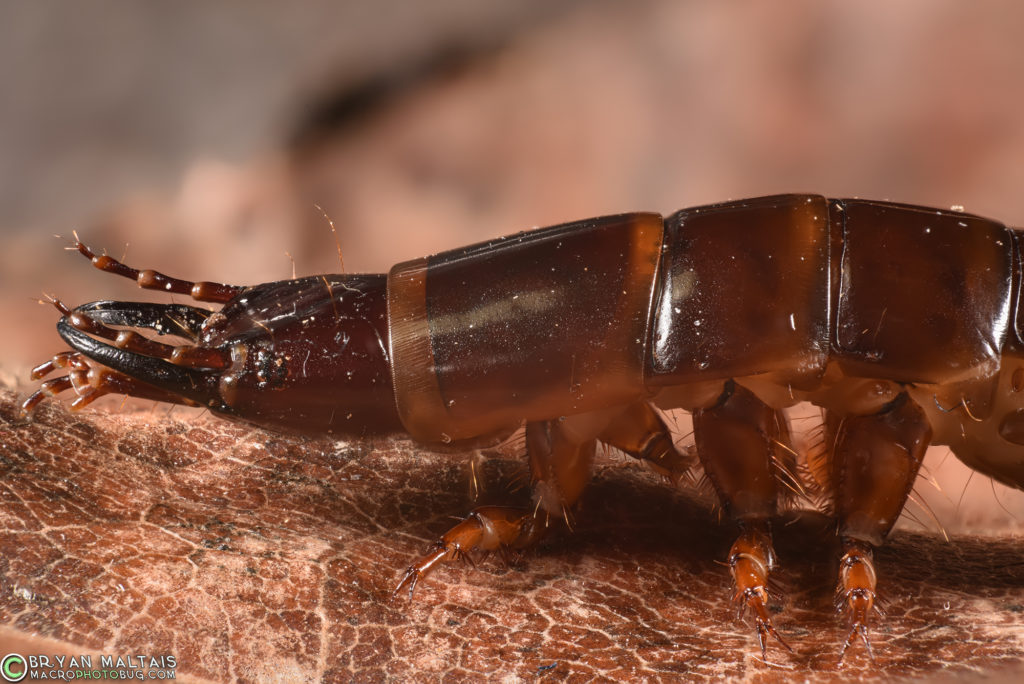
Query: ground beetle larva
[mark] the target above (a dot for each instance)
(902, 323)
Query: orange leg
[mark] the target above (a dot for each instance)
(488, 528)
(738, 441)
(855, 594)
(875, 460)
(560, 454)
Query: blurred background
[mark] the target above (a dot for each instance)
(215, 141)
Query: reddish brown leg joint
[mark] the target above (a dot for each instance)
(875, 462)
(560, 455)
(751, 558)
(856, 593)
(488, 528)
(737, 441)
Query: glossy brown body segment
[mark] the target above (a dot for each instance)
(910, 274)
(766, 263)
(528, 327)
(902, 323)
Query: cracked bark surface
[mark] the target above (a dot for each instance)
(251, 556)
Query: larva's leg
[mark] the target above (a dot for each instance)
(560, 454)
(153, 280)
(488, 528)
(640, 432)
(737, 442)
(875, 459)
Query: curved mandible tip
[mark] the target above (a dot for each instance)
(190, 383)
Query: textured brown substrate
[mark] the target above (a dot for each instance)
(249, 555)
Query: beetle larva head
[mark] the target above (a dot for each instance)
(308, 355)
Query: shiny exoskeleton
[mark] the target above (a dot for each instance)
(903, 323)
